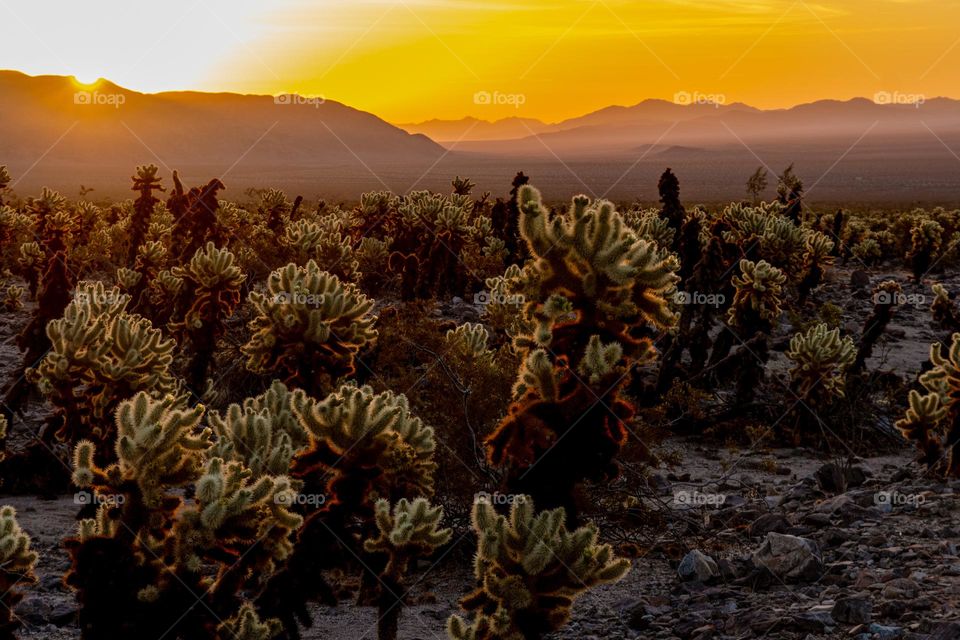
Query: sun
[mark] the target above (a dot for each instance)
(86, 80)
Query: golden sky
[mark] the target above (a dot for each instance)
(411, 60)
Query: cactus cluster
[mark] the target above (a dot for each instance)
(931, 421)
(147, 554)
(100, 354)
(596, 298)
(309, 327)
(17, 563)
(530, 569)
(821, 358)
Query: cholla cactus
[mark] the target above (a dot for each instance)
(246, 625)
(944, 310)
(100, 355)
(146, 182)
(816, 257)
(867, 251)
(358, 423)
(363, 447)
(757, 299)
(263, 433)
(275, 207)
(5, 179)
(782, 244)
(463, 186)
(821, 358)
(13, 298)
(149, 550)
(932, 420)
(409, 531)
(309, 326)
(530, 569)
(30, 265)
(886, 298)
(209, 295)
(470, 338)
(17, 562)
(595, 294)
(925, 240)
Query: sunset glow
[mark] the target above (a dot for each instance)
(411, 60)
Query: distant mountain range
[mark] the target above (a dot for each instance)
(56, 132)
(625, 130)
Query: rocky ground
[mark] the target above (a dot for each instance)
(771, 543)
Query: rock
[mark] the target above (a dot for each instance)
(859, 279)
(901, 589)
(698, 566)
(789, 557)
(835, 478)
(814, 621)
(769, 522)
(853, 610)
(945, 631)
(883, 632)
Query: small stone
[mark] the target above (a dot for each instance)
(853, 610)
(698, 566)
(901, 589)
(883, 632)
(769, 522)
(859, 279)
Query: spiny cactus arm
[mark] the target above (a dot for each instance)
(158, 445)
(408, 530)
(923, 419)
(246, 625)
(17, 563)
(530, 568)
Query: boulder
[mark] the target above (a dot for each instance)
(789, 558)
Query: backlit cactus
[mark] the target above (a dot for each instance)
(925, 240)
(150, 549)
(943, 308)
(263, 432)
(408, 531)
(145, 182)
(309, 327)
(209, 296)
(932, 421)
(595, 297)
(886, 297)
(17, 562)
(100, 355)
(363, 447)
(530, 568)
(821, 358)
(758, 297)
